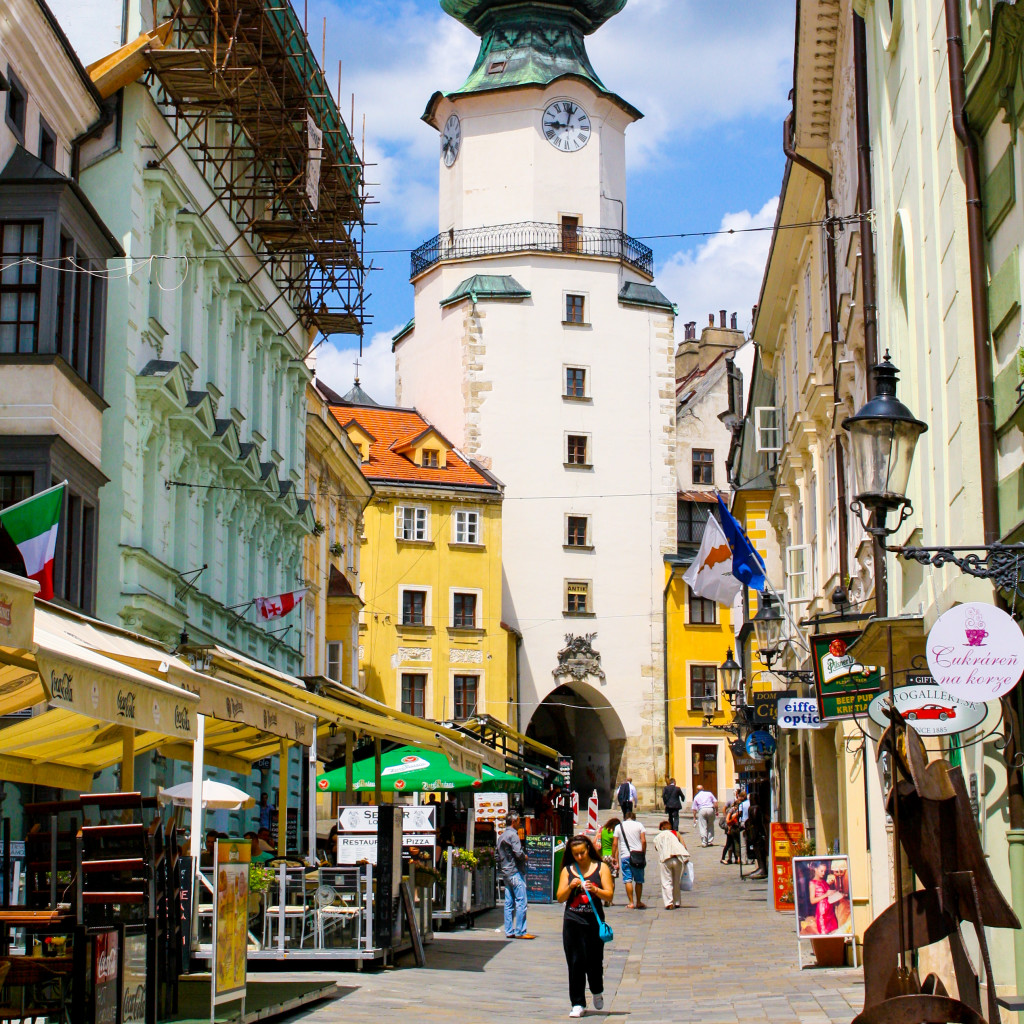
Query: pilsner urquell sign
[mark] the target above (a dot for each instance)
(845, 688)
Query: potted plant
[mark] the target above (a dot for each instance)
(336, 549)
(318, 528)
(260, 878)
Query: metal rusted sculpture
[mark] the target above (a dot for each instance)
(933, 823)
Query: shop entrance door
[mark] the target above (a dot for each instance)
(705, 768)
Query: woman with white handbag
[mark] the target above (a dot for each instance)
(673, 855)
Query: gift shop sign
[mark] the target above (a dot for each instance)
(844, 687)
(930, 709)
(976, 652)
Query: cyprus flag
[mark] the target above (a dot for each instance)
(711, 575)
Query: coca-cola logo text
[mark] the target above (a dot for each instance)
(106, 966)
(133, 1004)
(62, 686)
(126, 703)
(181, 719)
(269, 719)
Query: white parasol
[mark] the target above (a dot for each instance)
(217, 796)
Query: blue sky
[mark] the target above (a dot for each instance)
(712, 80)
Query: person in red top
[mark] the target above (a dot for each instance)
(820, 889)
(582, 885)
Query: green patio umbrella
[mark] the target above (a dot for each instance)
(500, 782)
(403, 770)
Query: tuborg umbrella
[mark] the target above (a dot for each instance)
(217, 796)
(403, 770)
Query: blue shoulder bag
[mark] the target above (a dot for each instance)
(604, 929)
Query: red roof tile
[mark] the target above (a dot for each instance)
(389, 427)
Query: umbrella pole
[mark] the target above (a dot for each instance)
(312, 797)
(196, 839)
(376, 771)
(127, 767)
(282, 801)
(350, 750)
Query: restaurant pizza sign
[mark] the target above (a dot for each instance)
(844, 687)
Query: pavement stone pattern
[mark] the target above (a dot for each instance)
(725, 958)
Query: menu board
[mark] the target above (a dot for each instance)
(540, 868)
(490, 807)
(785, 835)
(105, 979)
(230, 919)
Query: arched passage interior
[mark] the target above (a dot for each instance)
(576, 720)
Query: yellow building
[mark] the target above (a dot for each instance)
(432, 642)
(338, 492)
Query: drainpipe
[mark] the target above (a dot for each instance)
(867, 256)
(833, 326)
(664, 661)
(106, 116)
(987, 437)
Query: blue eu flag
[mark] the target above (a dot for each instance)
(747, 565)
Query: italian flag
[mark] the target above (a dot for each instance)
(32, 524)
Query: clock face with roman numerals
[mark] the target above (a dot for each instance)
(566, 125)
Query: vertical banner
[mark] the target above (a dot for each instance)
(230, 920)
(133, 978)
(785, 835)
(315, 149)
(106, 979)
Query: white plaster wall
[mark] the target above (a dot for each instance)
(508, 172)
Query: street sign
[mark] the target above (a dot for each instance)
(764, 705)
(844, 687)
(363, 818)
(565, 769)
(931, 710)
(760, 744)
(976, 652)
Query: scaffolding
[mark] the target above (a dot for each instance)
(249, 101)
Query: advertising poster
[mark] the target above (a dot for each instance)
(133, 979)
(785, 835)
(844, 687)
(821, 891)
(540, 868)
(105, 979)
(230, 919)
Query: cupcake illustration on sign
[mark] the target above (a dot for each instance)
(974, 627)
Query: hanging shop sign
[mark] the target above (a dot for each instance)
(565, 770)
(931, 709)
(230, 920)
(760, 744)
(357, 831)
(844, 687)
(785, 839)
(799, 713)
(765, 708)
(976, 652)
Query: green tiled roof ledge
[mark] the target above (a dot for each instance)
(407, 329)
(635, 294)
(487, 286)
(529, 42)
(321, 103)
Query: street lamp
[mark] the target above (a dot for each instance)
(730, 673)
(883, 436)
(710, 706)
(768, 630)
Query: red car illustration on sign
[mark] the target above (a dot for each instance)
(938, 711)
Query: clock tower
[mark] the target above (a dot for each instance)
(541, 347)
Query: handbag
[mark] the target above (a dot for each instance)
(637, 859)
(687, 879)
(604, 929)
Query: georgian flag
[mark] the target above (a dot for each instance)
(282, 604)
(32, 524)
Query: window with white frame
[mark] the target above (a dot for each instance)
(577, 597)
(334, 664)
(831, 513)
(414, 606)
(310, 639)
(465, 609)
(812, 533)
(466, 694)
(767, 428)
(466, 526)
(782, 384)
(808, 319)
(823, 265)
(577, 449)
(797, 574)
(412, 522)
(577, 531)
(795, 358)
(414, 693)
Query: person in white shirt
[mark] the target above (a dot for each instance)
(632, 792)
(744, 814)
(630, 837)
(705, 806)
(673, 855)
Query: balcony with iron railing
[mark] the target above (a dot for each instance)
(533, 236)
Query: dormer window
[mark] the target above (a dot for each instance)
(430, 458)
(496, 67)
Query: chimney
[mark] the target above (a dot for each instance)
(732, 323)
(711, 319)
(690, 331)
(721, 319)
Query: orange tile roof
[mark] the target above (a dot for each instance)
(389, 426)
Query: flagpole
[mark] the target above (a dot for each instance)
(33, 497)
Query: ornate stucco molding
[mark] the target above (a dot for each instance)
(578, 659)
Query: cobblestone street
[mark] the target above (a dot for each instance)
(724, 958)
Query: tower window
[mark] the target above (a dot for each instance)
(574, 309)
(577, 530)
(575, 382)
(496, 67)
(576, 453)
(577, 597)
(703, 466)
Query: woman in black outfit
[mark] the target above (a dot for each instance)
(584, 950)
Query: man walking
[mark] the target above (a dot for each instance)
(629, 845)
(705, 805)
(672, 797)
(512, 863)
(625, 795)
(744, 815)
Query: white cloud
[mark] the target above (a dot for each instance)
(334, 366)
(724, 272)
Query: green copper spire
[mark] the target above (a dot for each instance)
(531, 42)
